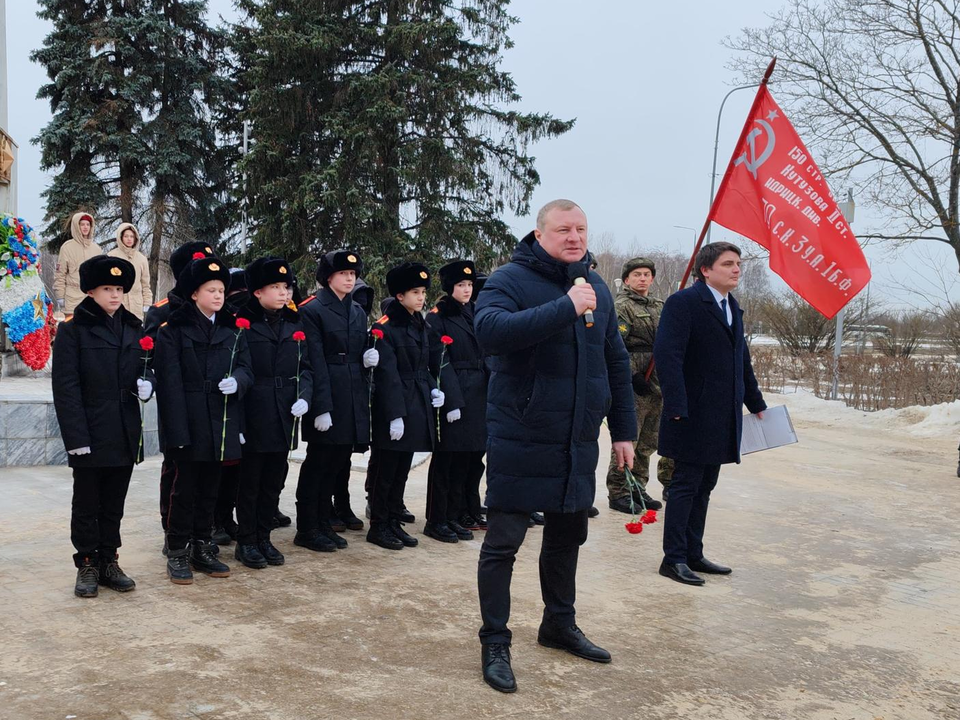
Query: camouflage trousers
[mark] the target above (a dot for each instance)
(648, 421)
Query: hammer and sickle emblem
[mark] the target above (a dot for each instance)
(754, 162)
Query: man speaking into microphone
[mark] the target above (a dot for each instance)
(559, 367)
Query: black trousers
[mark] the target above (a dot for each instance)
(686, 514)
(563, 534)
(341, 487)
(471, 488)
(227, 494)
(446, 480)
(193, 498)
(318, 476)
(168, 471)
(97, 509)
(388, 478)
(258, 494)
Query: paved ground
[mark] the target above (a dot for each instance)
(845, 604)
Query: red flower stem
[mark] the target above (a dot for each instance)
(293, 430)
(146, 361)
(223, 432)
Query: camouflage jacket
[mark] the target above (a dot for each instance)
(637, 320)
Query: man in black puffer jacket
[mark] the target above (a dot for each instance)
(555, 376)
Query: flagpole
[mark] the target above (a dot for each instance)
(723, 186)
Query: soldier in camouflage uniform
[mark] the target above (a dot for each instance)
(638, 315)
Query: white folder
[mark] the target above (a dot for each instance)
(774, 430)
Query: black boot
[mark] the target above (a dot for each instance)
(178, 568)
(280, 520)
(273, 556)
(647, 500)
(497, 671)
(573, 641)
(537, 519)
(336, 524)
(381, 535)
(407, 516)
(347, 517)
(203, 560)
(221, 536)
(250, 556)
(88, 579)
(327, 529)
(623, 504)
(592, 512)
(439, 531)
(113, 577)
(408, 540)
(314, 540)
(461, 532)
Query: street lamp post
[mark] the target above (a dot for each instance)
(716, 145)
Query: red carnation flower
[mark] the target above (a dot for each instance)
(650, 516)
(446, 340)
(146, 343)
(299, 336)
(243, 323)
(634, 528)
(377, 333)
(198, 256)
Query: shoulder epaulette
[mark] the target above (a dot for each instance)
(292, 305)
(435, 310)
(161, 303)
(307, 300)
(163, 324)
(67, 319)
(383, 320)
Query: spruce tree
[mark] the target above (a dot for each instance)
(386, 126)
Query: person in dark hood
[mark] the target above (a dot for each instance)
(559, 367)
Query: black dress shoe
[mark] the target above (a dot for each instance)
(573, 641)
(460, 531)
(710, 568)
(593, 512)
(327, 530)
(336, 524)
(88, 581)
(250, 556)
(648, 501)
(622, 504)
(351, 521)
(497, 672)
(408, 540)
(440, 531)
(468, 522)
(681, 573)
(382, 536)
(281, 520)
(314, 540)
(270, 553)
(406, 516)
(113, 577)
(537, 518)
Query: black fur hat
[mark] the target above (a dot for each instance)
(407, 276)
(202, 271)
(238, 280)
(336, 261)
(106, 270)
(266, 271)
(456, 271)
(182, 256)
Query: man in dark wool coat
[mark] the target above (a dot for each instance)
(706, 377)
(555, 376)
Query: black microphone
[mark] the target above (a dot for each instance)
(577, 272)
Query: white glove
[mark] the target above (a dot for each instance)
(228, 386)
(299, 408)
(438, 398)
(79, 451)
(371, 358)
(62, 303)
(146, 309)
(243, 440)
(323, 422)
(453, 415)
(144, 389)
(396, 429)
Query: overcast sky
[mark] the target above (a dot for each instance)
(644, 82)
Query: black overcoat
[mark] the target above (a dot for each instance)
(95, 374)
(191, 360)
(275, 356)
(159, 313)
(337, 335)
(553, 381)
(468, 434)
(408, 369)
(706, 378)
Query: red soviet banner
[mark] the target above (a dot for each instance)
(774, 194)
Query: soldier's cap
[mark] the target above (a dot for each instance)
(200, 271)
(638, 262)
(337, 261)
(407, 276)
(180, 257)
(456, 271)
(106, 270)
(267, 271)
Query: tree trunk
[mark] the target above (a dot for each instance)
(156, 243)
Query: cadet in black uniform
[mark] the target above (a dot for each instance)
(98, 384)
(203, 371)
(463, 429)
(339, 418)
(404, 398)
(281, 392)
(158, 314)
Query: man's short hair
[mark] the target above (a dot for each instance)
(560, 204)
(709, 254)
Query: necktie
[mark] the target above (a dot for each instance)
(723, 307)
